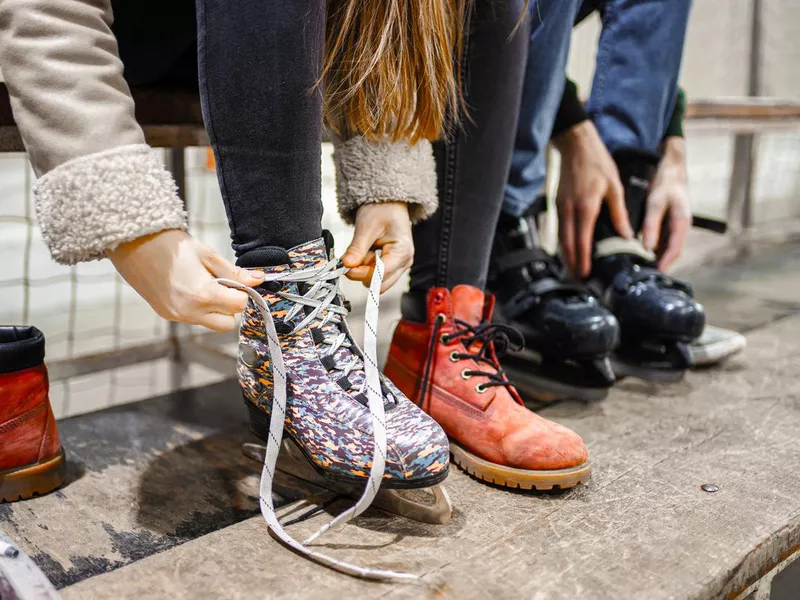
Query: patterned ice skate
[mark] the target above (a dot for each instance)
(349, 423)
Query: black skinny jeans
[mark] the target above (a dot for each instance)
(256, 65)
(454, 246)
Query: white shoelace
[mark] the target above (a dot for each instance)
(324, 282)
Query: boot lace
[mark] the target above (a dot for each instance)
(324, 288)
(502, 337)
(321, 297)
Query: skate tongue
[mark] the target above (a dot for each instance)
(468, 304)
(309, 255)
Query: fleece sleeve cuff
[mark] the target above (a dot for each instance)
(368, 172)
(96, 202)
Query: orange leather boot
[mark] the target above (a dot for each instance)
(448, 366)
(31, 457)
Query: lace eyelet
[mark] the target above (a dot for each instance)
(480, 388)
(465, 375)
(454, 356)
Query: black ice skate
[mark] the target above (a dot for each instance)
(568, 334)
(658, 315)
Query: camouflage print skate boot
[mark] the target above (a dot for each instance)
(350, 423)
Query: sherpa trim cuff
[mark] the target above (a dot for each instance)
(96, 202)
(368, 172)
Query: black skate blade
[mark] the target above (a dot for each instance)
(651, 359)
(537, 385)
(658, 374)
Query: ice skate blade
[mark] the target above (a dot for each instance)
(537, 390)
(523, 479)
(544, 383)
(716, 345)
(624, 369)
(436, 510)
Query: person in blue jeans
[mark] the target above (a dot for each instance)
(632, 103)
(622, 201)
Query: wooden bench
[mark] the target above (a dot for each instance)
(175, 514)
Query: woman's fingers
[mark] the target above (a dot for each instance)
(566, 232)
(360, 248)
(362, 271)
(653, 220)
(588, 212)
(217, 321)
(226, 300)
(363, 274)
(219, 266)
(679, 225)
(396, 261)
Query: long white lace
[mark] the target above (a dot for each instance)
(324, 282)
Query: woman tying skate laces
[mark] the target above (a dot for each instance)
(388, 79)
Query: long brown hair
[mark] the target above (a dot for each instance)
(392, 67)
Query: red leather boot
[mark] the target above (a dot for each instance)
(31, 457)
(448, 366)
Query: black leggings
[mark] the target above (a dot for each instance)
(454, 246)
(256, 65)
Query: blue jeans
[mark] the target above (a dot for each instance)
(634, 89)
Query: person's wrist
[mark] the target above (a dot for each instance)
(126, 248)
(674, 149)
(576, 136)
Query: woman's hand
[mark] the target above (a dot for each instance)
(669, 197)
(176, 274)
(588, 178)
(382, 226)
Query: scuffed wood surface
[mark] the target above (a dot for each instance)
(641, 528)
(143, 478)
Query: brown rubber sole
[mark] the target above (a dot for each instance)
(33, 480)
(559, 479)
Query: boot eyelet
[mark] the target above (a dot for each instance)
(444, 340)
(480, 388)
(465, 375)
(454, 356)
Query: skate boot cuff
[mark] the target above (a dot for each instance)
(617, 245)
(628, 154)
(266, 256)
(20, 348)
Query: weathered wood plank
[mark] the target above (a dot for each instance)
(642, 528)
(144, 478)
